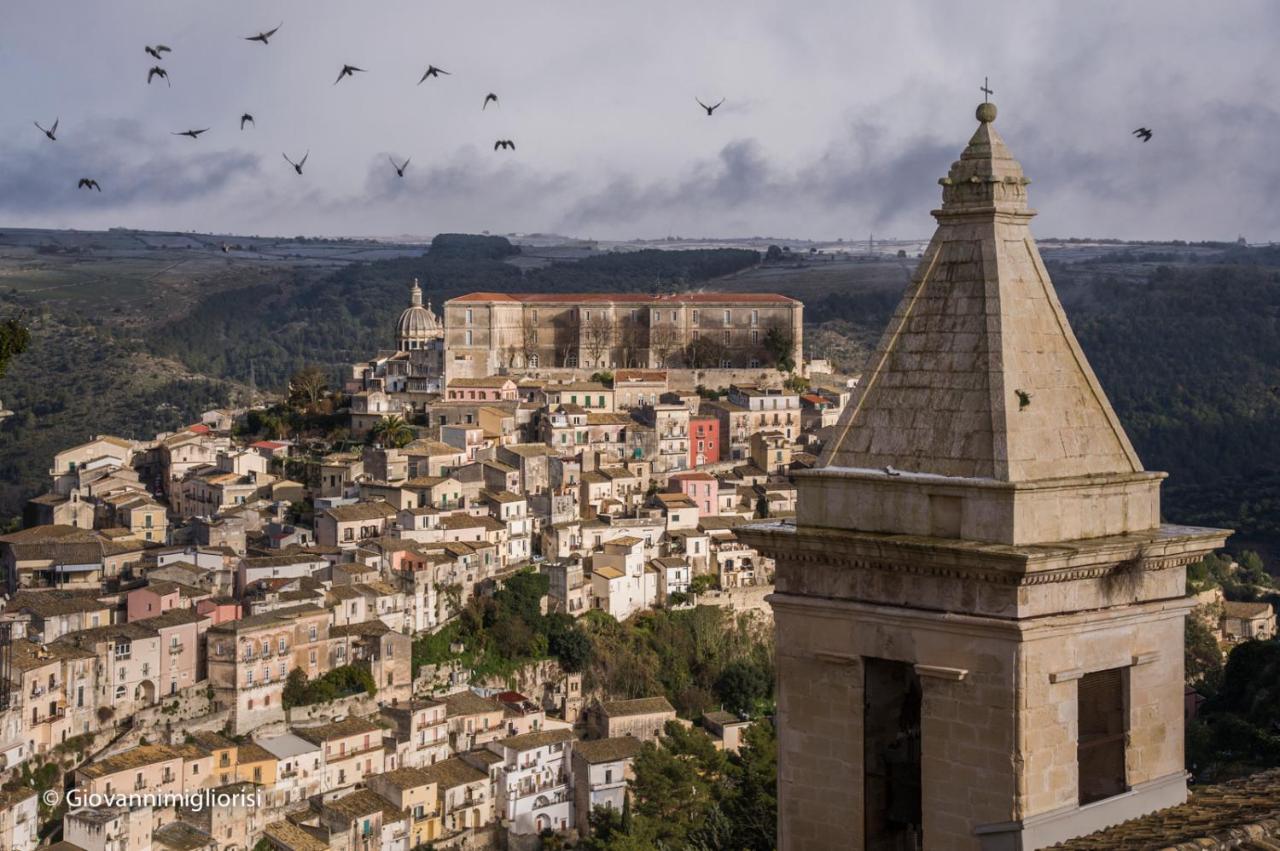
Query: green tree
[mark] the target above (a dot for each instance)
(392, 431)
(751, 801)
(772, 254)
(14, 340)
(1203, 656)
(780, 346)
(741, 684)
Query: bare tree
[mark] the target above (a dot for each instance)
(664, 341)
(567, 329)
(705, 353)
(631, 342)
(597, 338)
(528, 337)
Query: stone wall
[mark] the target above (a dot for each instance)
(678, 380)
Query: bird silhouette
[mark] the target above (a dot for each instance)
(247, 118)
(157, 50)
(399, 168)
(50, 132)
(297, 166)
(432, 71)
(1143, 133)
(347, 71)
(88, 183)
(504, 143)
(489, 97)
(709, 109)
(1024, 398)
(157, 71)
(194, 134)
(266, 36)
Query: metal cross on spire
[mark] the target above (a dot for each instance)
(986, 90)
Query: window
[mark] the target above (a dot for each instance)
(468, 337)
(282, 644)
(755, 317)
(313, 632)
(754, 363)
(695, 317)
(533, 360)
(1100, 699)
(533, 314)
(468, 319)
(728, 317)
(586, 314)
(755, 336)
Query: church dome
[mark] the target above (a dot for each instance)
(418, 324)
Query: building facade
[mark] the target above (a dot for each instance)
(488, 333)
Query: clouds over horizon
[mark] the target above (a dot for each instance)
(836, 123)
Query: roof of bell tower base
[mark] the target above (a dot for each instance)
(978, 374)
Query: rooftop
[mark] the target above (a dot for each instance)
(638, 706)
(626, 298)
(536, 739)
(596, 751)
(1242, 814)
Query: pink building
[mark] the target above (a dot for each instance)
(219, 609)
(181, 631)
(701, 488)
(154, 599)
(494, 388)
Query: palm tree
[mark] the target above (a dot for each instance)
(392, 431)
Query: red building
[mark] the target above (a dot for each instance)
(704, 440)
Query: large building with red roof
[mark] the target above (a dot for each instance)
(486, 333)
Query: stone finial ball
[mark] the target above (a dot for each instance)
(986, 112)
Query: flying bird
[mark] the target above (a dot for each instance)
(297, 166)
(157, 71)
(247, 119)
(504, 143)
(399, 168)
(194, 134)
(1024, 398)
(347, 71)
(489, 97)
(432, 71)
(266, 36)
(88, 183)
(709, 109)
(1143, 133)
(157, 50)
(50, 132)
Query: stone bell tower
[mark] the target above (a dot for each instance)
(979, 612)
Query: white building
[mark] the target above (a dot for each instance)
(620, 584)
(534, 789)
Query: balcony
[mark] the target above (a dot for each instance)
(175, 649)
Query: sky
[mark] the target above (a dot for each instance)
(838, 117)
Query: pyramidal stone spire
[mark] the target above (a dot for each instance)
(978, 374)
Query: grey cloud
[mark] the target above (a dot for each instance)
(131, 166)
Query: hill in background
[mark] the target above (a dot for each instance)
(1183, 337)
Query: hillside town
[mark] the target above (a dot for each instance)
(213, 615)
